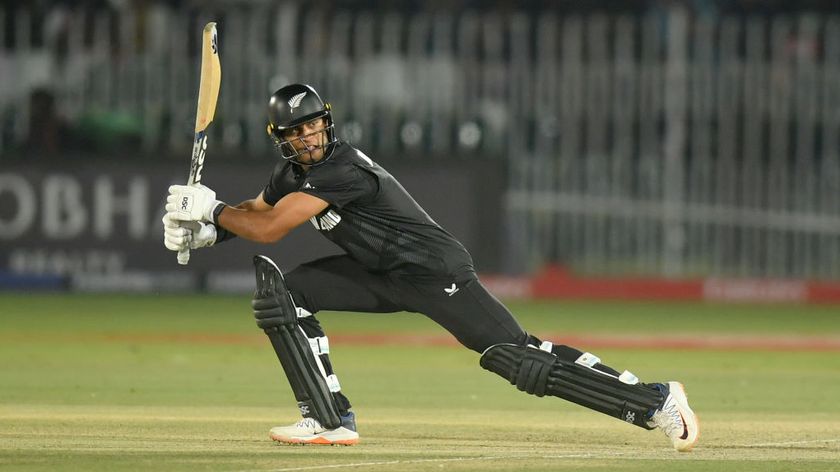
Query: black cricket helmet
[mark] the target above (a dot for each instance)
(292, 106)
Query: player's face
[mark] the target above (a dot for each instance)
(308, 140)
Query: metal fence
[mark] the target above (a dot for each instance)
(681, 145)
(663, 143)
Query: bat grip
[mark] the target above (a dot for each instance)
(184, 256)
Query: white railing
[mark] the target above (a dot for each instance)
(706, 146)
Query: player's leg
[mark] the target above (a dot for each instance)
(538, 370)
(465, 309)
(339, 283)
(482, 323)
(335, 283)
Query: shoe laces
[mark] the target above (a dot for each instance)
(668, 418)
(308, 423)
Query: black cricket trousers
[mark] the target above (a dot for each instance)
(463, 307)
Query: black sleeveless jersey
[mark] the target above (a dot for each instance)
(372, 217)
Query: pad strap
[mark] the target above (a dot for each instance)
(539, 372)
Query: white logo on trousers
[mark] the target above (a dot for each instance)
(451, 290)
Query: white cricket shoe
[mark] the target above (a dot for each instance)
(310, 431)
(676, 419)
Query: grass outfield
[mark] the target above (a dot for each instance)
(189, 383)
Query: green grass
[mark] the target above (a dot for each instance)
(188, 383)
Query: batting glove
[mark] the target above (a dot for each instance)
(180, 235)
(191, 203)
(203, 235)
(175, 238)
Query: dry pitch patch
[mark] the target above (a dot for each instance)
(140, 438)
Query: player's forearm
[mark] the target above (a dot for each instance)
(225, 234)
(258, 226)
(250, 205)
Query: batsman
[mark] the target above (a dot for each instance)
(396, 259)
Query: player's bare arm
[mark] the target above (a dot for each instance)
(256, 223)
(255, 204)
(253, 219)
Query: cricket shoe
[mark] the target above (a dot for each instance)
(310, 431)
(675, 418)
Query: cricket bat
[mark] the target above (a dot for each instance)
(208, 94)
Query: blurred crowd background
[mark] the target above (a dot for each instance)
(661, 138)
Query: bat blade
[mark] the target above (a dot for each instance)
(208, 95)
(211, 78)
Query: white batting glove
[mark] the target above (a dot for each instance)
(175, 238)
(191, 203)
(203, 235)
(180, 235)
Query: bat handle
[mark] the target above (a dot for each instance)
(184, 256)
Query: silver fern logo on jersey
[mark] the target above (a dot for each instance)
(327, 221)
(294, 102)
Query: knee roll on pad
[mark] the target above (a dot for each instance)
(533, 366)
(277, 315)
(539, 372)
(272, 303)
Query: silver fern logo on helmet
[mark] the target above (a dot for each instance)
(294, 102)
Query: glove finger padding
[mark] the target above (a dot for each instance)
(178, 236)
(177, 239)
(172, 206)
(169, 221)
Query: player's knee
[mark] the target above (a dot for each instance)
(562, 351)
(303, 301)
(301, 277)
(477, 345)
(480, 342)
(300, 282)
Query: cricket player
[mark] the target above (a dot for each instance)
(396, 259)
